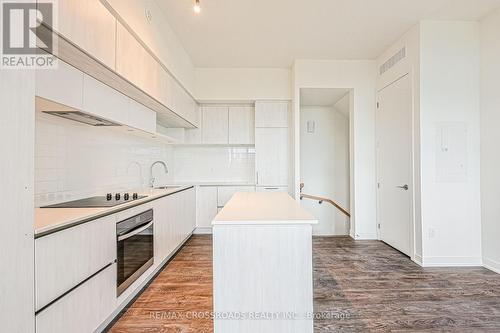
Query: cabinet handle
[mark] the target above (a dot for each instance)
(271, 188)
(257, 178)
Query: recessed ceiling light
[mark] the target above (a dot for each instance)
(197, 7)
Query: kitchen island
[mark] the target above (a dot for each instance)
(262, 252)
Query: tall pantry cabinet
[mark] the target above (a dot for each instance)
(271, 146)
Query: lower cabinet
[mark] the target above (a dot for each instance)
(206, 205)
(174, 221)
(76, 272)
(224, 193)
(211, 199)
(83, 309)
(66, 258)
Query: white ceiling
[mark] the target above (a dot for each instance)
(272, 33)
(321, 96)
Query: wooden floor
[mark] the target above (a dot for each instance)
(363, 286)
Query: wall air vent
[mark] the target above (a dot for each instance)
(393, 61)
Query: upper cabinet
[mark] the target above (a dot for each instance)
(271, 114)
(224, 124)
(101, 100)
(135, 64)
(89, 25)
(214, 126)
(139, 67)
(241, 125)
(63, 85)
(120, 59)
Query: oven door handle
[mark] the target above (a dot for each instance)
(135, 232)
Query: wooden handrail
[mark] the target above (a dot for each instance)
(323, 199)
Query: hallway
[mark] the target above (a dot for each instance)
(362, 286)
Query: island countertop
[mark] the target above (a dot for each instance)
(263, 208)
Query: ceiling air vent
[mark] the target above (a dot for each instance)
(393, 61)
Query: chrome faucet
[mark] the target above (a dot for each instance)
(152, 179)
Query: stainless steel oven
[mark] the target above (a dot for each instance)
(135, 248)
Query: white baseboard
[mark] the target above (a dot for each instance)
(366, 236)
(451, 261)
(492, 265)
(329, 235)
(202, 231)
(418, 259)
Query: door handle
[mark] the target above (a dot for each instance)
(404, 187)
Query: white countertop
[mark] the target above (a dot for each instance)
(222, 183)
(263, 208)
(48, 219)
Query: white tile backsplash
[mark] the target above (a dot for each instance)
(75, 160)
(214, 164)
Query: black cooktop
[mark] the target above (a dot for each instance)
(99, 201)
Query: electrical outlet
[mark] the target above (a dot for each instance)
(432, 232)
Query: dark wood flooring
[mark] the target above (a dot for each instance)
(362, 286)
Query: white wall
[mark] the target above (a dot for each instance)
(360, 77)
(324, 166)
(242, 84)
(17, 259)
(74, 160)
(450, 168)
(490, 138)
(214, 164)
(158, 36)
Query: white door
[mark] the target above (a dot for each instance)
(394, 164)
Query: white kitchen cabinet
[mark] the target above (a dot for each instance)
(90, 26)
(99, 32)
(84, 308)
(224, 193)
(162, 224)
(185, 106)
(136, 64)
(271, 156)
(63, 85)
(214, 124)
(68, 257)
(272, 189)
(241, 125)
(174, 221)
(141, 117)
(103, 101)
(206, 205)
(187, 212)
(271, 114)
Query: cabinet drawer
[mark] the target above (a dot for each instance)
(224, 193)
(66, 258)
(84, 308)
